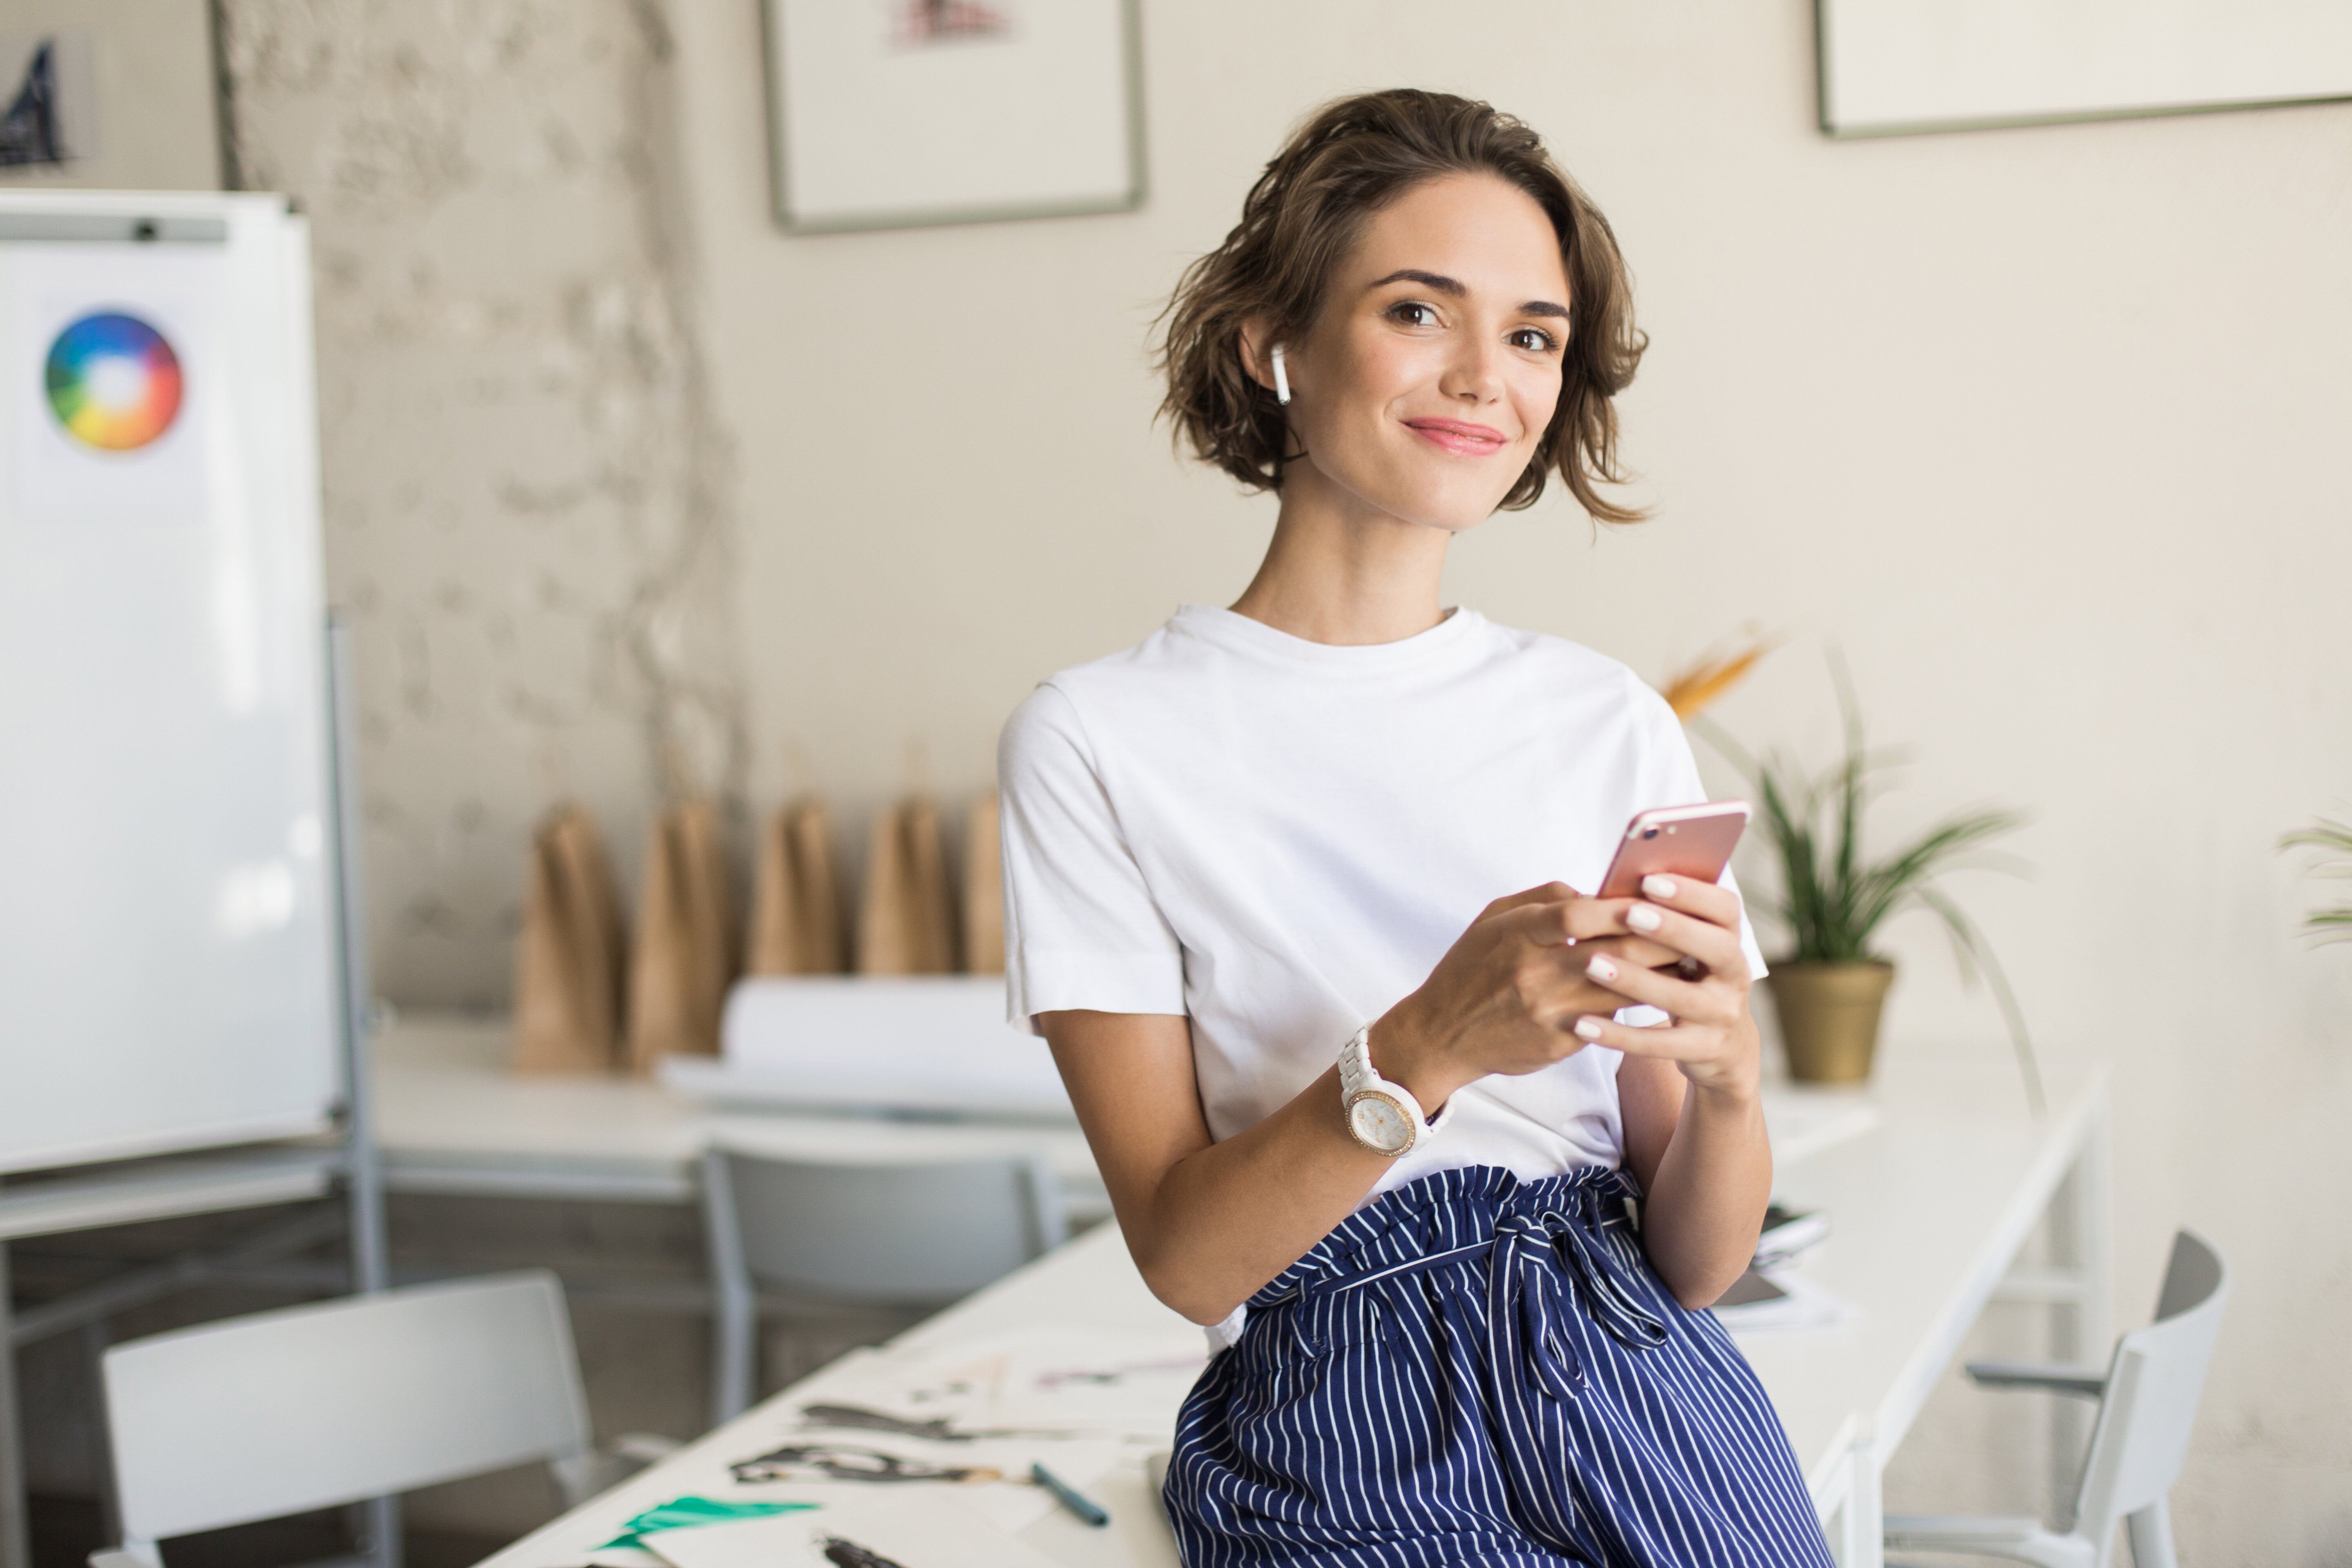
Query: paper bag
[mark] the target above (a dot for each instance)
(795, 903)
(686, 941)
(907, 924)
(983, 890)
(569, 962)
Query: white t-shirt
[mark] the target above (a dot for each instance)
(1278, 838)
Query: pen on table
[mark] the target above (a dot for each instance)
(849, 1554)
(1069, 1497)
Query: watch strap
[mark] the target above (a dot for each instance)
(1358, 1076)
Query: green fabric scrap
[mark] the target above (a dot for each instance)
(679, 1512)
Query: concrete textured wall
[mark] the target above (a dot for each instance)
(629, 492)
(527, 490)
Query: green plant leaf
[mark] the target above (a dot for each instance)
(2322, 835)
(2336, 837)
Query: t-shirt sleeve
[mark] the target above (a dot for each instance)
(1671, 778)
(1081, 930)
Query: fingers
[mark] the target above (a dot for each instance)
(1708, 1000)
(1550, 893)
(1667, 1042)
(1707, 902)
(1543, 927)
(1580, 920)
(1716, 946)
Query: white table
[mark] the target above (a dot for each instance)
(1088, 1286)
(1927, 1211)
(1929, 1208)
(451, 1118)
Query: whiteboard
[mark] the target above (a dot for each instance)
(1889, 67)
(167, 957)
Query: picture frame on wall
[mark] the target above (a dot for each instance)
(908, 113)
(1897, 68)
(127, 95)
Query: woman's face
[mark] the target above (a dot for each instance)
(1434, 365)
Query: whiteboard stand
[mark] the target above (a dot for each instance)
(255, 1176)
(363, 1172)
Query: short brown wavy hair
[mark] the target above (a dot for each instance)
(1350, 159)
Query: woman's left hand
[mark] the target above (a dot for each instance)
(1709, 1032)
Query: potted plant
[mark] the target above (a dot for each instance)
(1833, 900)
(2334, 841)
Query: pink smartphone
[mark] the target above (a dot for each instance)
(1694, 841)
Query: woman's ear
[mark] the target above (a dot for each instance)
(1258, 346)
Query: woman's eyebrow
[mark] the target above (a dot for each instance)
(1437, 280)
(1454, 286)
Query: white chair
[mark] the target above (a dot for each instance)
(906, 1235)
(318, 1405)
(2148, 1403)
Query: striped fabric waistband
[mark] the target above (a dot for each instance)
(1452, 1215)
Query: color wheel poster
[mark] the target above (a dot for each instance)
(112, 380)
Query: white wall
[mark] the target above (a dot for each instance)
(2045, 429)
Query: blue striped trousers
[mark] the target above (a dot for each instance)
(1475, 1369)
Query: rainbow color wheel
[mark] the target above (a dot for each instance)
(113, 381)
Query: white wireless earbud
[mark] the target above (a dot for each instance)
(1281, 377)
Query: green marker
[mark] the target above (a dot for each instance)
(1069, 1497)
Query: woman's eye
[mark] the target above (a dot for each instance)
(1414, 314)
(1534, 340)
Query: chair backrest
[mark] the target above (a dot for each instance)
(317, 1405)
(2153, 1385)
(910, 1233)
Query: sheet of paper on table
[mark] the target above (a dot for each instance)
(1084, 1405)
(914, 1528)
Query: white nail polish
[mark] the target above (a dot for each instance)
(1588, 1027)
(1659, 887)
(1642, 917)
(1600, 969)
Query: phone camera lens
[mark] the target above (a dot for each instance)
(1649, 833)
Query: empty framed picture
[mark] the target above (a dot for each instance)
(899, 113)
(1893, 67)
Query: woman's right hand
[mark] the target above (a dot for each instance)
(1504, 997)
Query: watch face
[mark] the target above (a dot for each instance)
(1379, 1122)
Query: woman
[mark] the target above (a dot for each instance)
(1252, 871)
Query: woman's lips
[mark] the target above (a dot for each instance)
(1454, 436)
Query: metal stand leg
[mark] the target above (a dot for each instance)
(16, 1538)
(95, 1337)
(364, 1171)
(2082, 1323)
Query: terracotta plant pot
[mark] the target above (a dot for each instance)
(1829, 1017)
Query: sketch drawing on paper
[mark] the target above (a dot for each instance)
(31, 131)
(45, 120)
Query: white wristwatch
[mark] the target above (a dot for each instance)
(1384, 1117)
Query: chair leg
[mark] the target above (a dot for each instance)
(384, 1543)
(735, 1318)
(736, 1328)
(2151, 1537)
